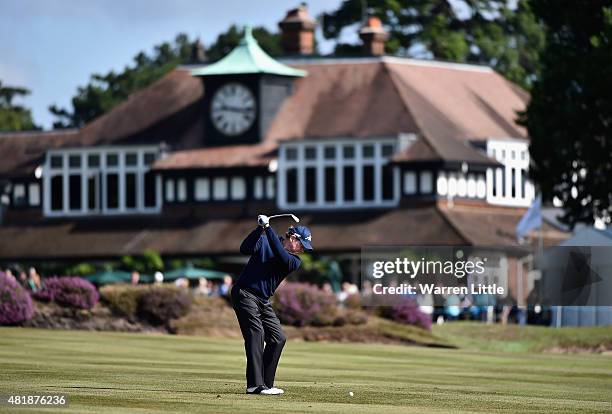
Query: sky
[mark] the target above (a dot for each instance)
(53, 46)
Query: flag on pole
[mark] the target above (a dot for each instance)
(531, 220)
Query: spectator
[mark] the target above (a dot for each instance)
(451, 307)
(507, 304)
(366, 289)
(226, 286)
(23, 279)
(327, 288)
(426, 304)
(135, 277)
(34, 283)
(344, 293)
(183, 282)
(9, 273)
(159, 278)
(203, 288)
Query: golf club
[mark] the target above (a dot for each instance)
(293, 216)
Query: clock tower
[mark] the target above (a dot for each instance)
(242, 93)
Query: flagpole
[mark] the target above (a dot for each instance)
(541, 245)
(531, 220)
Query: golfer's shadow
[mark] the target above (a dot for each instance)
(139, 389)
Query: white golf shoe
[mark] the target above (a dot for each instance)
(273, 391)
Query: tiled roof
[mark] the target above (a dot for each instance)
(104, 237)
(168, 110)
(445, 104)
(492, 226)
(218, 157)
(332, 232)
(22, 152)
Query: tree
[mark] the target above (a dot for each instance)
(14, 117)
(569, 118)
(103, 92)
(269, 42)
(484, 31)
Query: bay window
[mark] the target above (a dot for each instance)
(508, 185)
(342, 173)
(100, 181)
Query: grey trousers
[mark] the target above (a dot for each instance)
(259, 325)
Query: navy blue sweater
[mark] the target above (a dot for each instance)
(269, 264)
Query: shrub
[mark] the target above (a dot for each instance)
(353, 301)
(71, 292)
(123, 299)
(48, 292)
(159, 305)
(356, 317)
(407, 312)
(302, 304)
(15, 302)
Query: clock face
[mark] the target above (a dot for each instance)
(233, 109)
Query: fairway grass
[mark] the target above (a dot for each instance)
(105, 372)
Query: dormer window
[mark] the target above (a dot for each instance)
(100, 181)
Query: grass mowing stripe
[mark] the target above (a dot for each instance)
(116, 372)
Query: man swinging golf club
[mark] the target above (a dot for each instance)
(272, 259)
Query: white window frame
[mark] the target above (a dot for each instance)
(219, 189)
(339, 162)
(410, 182)
(237, 188)
(270, 187)
(258, 188)
(181, 190)
(201, 189)
(456, 184)
(169, 190)
(34, 194)
(426, 182)
(140, 169)
(503, 150)
(21, 189)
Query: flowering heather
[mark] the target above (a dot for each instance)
(408, 313)
(73, 292)
(15, 302)
(302, 304)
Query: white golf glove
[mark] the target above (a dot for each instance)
(263, 221)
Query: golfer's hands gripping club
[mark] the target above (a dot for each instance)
(263, 221)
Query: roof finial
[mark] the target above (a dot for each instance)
(248, 34)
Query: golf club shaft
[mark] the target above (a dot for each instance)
(294, 217)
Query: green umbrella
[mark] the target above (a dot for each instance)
(191, 272)
(105, 277)
(146, 278)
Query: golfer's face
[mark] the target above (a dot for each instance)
(293, 245)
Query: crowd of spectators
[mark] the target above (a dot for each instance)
(205, 288)
(31, 280)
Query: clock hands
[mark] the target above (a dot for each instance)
(233, 109)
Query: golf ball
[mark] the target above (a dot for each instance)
(351, 393)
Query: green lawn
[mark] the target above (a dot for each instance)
(515, 338)
(118, 372)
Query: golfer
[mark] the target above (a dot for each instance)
(272, 259)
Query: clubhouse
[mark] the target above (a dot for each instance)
(367, 150)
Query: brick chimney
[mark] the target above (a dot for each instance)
(297, 31)
(373, 35)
